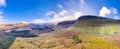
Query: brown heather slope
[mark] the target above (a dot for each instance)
(60, 41)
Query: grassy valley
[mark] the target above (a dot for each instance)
(88, 32)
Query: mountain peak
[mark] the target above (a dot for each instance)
(85, 17)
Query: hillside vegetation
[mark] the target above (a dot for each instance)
(88, 32)
(96, 25)
(6, 41)
(60, 41)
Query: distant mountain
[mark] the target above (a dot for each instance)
(63, 25)
(86, 17)
(96, 24)
(97, 19)
(10, 26)
(66, 23)
(19, 24)
(6, 28)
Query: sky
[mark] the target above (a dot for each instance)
(43, 11)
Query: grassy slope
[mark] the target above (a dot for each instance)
(98, 26)
(88, 41)
(6, 41)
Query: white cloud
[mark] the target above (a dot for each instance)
(60, 6)
(104, 11)
(116, 17)
(82, 3)
(107, 11)
(2, 2)
(114, 10)
(65, 15)
(49, 13)
(77, 15)
(38, 21)
(1, 12)
(73, 1)
(2, 19)
(62, 15)
(24, 22)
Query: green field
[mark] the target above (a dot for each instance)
(6, 41)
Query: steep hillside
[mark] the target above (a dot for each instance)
(66, 23)
(95, 24)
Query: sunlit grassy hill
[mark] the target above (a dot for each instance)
(94, 24)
